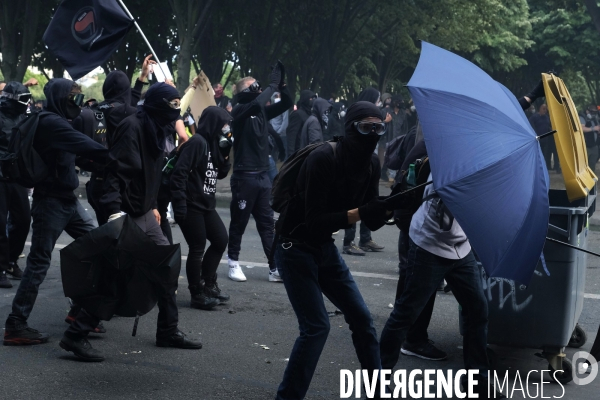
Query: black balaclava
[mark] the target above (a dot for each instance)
(319, 108)
(210, 126)
(369, 94)
(11, 106)
(57, 92)
(304, 103)
(157, 116)
(117, 88)
(356, 147)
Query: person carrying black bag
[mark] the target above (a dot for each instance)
(200, 162)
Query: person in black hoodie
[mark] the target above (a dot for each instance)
(366, 242)
(132, 181)
(336, 187)
(298, 118)
(312, 131)
(250, 183)
(201, 161)
(14, 101)
(55, 208)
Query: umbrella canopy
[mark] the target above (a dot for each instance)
(118, 269)
(486, 161)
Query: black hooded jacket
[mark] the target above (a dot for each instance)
(58, 143)
(118, 92)
(11, 113)
(200, 164)
(330, 183)
(133, 177)
(297, 120)
(250, 130)
(312, 131)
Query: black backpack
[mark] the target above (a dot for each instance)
(397, 149)
(100, 132)
(285, 181)
(21, 163)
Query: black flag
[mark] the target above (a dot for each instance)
(84, 33)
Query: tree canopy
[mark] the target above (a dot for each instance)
(334, 47)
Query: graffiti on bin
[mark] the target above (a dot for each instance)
(507, 292)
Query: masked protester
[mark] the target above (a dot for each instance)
(201, 161)
(366, 242)
(55, 207)
(14, 100)
(315, 125)
(298, 118)
(132, 182)
(336, 188)
(250, 183)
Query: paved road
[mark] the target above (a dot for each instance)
(232, 364)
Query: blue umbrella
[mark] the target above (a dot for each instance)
(486, 161)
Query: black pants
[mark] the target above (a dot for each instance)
(350, 234)
(418, 331)
(596, 347)
(163, 200)
(197, 228)
(13, 200)
(168, 315)
(250, 196)
(94, 191)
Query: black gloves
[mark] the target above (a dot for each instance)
(537, 92)
(374, 213)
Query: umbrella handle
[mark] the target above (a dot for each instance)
(409, 190)
(545, 135)
(574, 247)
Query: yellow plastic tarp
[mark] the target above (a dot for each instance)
(570, 143)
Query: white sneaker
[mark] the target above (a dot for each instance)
(274, 276)
(235, 271)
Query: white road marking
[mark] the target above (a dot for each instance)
(355, 273)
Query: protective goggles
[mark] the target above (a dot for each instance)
(78, 98)
(23, 98)
(254, 88)
(366, 127)
(174, 104)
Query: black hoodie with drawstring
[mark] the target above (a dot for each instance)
(58, 142)
(199, 164)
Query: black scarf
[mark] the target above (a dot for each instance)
(157, 116)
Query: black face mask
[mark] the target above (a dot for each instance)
(13, 107)
(246, 97)
(72, 110)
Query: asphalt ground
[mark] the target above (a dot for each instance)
(234, 362)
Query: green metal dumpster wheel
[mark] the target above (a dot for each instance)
(578, 338)
(563, 377)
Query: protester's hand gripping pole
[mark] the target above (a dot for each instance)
(143, 36)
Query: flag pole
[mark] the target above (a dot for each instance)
(143, 36)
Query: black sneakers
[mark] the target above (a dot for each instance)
(178, 340)
(14, 271)
(425, 350)
(4, 282)
(353, 250)
(370, 246)
(24, 337)
(81, 348)
(212, 289)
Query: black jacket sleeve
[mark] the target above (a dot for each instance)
(62, 136)
(189, 155)
(126, 162)
(277, 109)
(373, 191)
(136, 92)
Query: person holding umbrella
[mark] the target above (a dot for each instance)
(201, 161)
(132, 182)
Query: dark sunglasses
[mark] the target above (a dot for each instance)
(78, 98)
(366, 127)
(254, 88)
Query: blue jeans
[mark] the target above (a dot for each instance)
(307, 276)
(272, 169)
(51, 216)
(424, 273)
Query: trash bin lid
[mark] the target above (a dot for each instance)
(570, 143)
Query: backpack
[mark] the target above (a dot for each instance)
(100, 126)
(285, 181)
(21, 163)
(397, 149)
(412, 200)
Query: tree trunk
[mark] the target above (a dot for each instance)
(594, 11)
